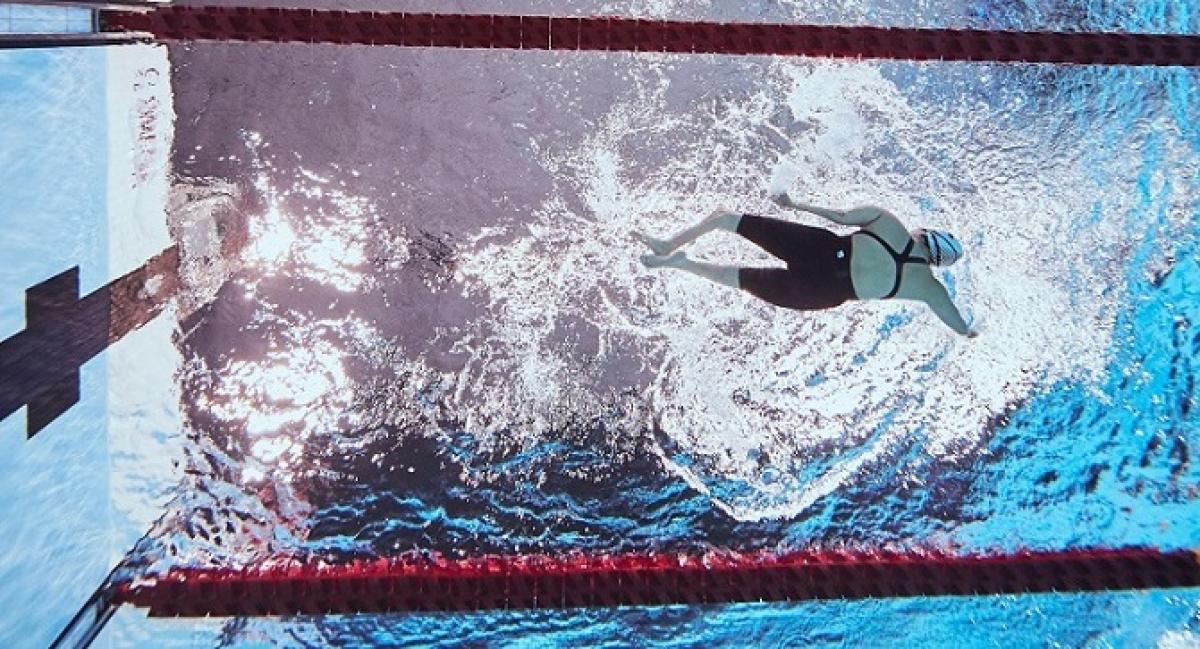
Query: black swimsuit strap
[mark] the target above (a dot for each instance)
(905, 258)
(900, 258)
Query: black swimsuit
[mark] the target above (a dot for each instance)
(818, 264)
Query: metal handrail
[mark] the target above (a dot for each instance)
(32, 41)
(101, 5)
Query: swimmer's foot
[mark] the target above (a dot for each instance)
(661, 248)
(664, 261)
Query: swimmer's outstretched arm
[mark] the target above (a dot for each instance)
(938, 299)
(856, 216)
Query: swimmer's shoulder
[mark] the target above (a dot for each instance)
(879, 221)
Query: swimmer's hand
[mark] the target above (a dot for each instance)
(781, 199)
(973, 328)
(660, 247)
(674, 260)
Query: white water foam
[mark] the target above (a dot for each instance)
(1179, 640)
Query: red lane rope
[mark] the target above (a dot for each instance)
(192, 23)
(497, 582)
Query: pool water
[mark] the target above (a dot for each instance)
(436, 334)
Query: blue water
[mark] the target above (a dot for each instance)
(1073, 465)
(1068, 469)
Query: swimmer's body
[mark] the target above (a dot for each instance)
(880, 260)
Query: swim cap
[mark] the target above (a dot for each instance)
(944, 249)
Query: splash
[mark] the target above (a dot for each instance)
(296, 390)
(312, 228)
(752, 400)
(268, 406)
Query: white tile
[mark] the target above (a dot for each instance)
(79, 20)
(25, 26)
(30, 19)
(34, 12)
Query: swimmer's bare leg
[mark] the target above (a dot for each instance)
(725, 275)
(721, 219)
